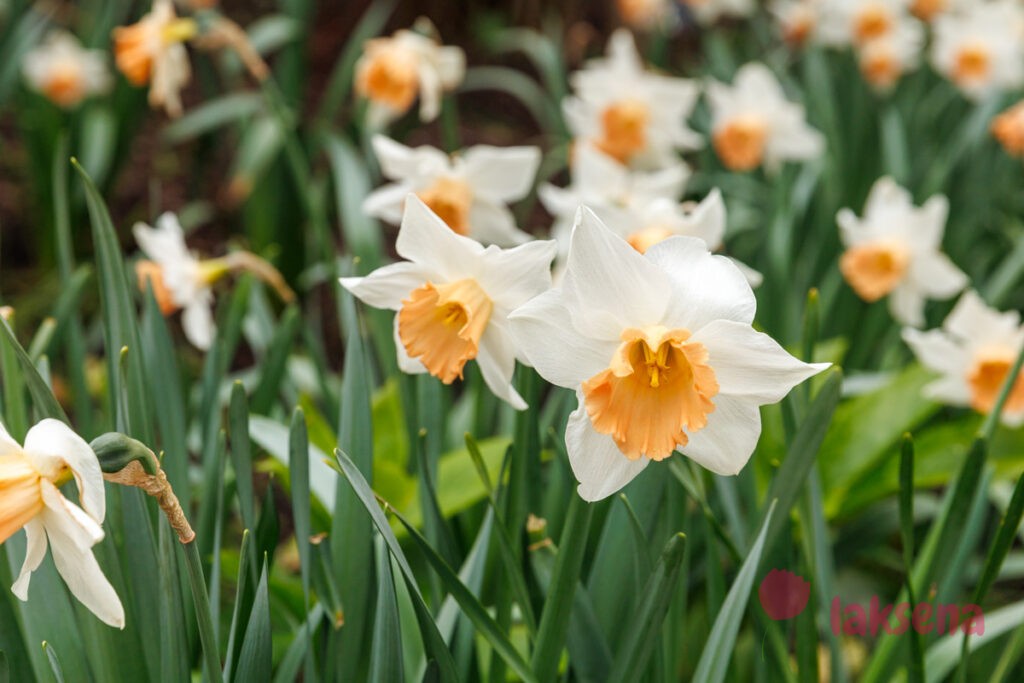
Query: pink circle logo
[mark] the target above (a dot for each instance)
(783, 594)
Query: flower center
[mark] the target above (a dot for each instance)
(880, 67)
(657, 385)
(874, 269)
(441, 325)
(740, 142)
(986, 377)
(65, 86)
(20, 494)
(389, 76)
(644, 239)
(624, 129)
(798, 29)
(1008, 129)
(450, 199)
(925, 10)
(874, 21)
(150, 274)
(972, 63)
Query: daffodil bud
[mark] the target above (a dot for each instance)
(116, 451)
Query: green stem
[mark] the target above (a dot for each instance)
(211, 652)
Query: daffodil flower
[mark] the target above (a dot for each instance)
(66, 73)
(710, 11)
(885, 59)
(797, 19)
(181, 281)
(1008, 129)
(660, 350)
(974, 352)
(452, 297)
(469, 190)
(393, 72)
(894, 250)
(979, 48)
(152, 51)
(647, 15)
(629, 113)
(754, 124)
(53, 455)
(855, 22)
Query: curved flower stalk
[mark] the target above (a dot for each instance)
(393, 72)
(452, 298)
(979, 48)
(894, 250)
(30, 498)
(629, 113)
(660, 350)
(974, 352)
(469, 190)
(181, 281)
(754, 124)
(65, 72)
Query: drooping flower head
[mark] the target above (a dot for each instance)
(30, 498)
(660, 350)
(393, 72)
(628, 112)
(979, 48)
(894, 250)
(152, 51)
(452, 298)
(754, 124)
(974, 352)
(66, 73)
(469, 190)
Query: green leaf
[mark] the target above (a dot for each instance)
(714, 660)
(275, 363)
(916, 669)
(255, 664)
(241, 454)
(55, 667)
(386, 649)
(42, 397)
(211, 115)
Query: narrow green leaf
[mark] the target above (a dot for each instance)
(43, 399)
(386, 649)
(55, 667)
(275, 363)
(255, 664)
(916, 669)
(241, 454)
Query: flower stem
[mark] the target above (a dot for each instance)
(201, 599)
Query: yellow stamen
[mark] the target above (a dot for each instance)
(657, 385)
(972, 64)
(441, 325)
(985, 379)
(388, 74)
(644, 239)
(740, 142)
(450, 199)
(21, 497)
(873, 22)
(874, 269)
(624, 129)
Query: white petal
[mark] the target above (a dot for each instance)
(35, 551)
(906, 304)
(725, 445)
(406, 363)
(197, 322)
(8, 446)
(937, 351)
(545, 337)
(386, 287)
(707, 220)
(608, 284)
(451, 66)
(386, 202)
(53, 439)
(597, 463)
(501, 173)
(165, 243)
(497, 361)
(751, 364)
(399, 162)
(78, 527)
(950, 389)
(935, 275)
(511, 277)
(430, 93)
(971, 318)
(704, 287)
(427, 240)
(493, 223)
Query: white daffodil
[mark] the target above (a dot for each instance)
(53, 455)
(895, 250)
(797, 19)
(152, 51)
(710, 11)
(980, 49)
(66, 73)
(974, 351)
(754, 124)
(452, 298)
(855, 22)
(660, 350)
(393, 72)
(629, 113)
(469, 191)
(884, 60)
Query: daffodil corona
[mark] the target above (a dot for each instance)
(30, 498)
(152, 51)
(63, 71)
(663, 357)
(452, 298)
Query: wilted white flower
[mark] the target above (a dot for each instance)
(66, 73)
(393, 72)
(452, 298)
(152, 51)
(629, 113)
(754, 124)
(29, 479)
(660, 350)
(980, 48)
(469, 191)
(895, 250)
(974, 351)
